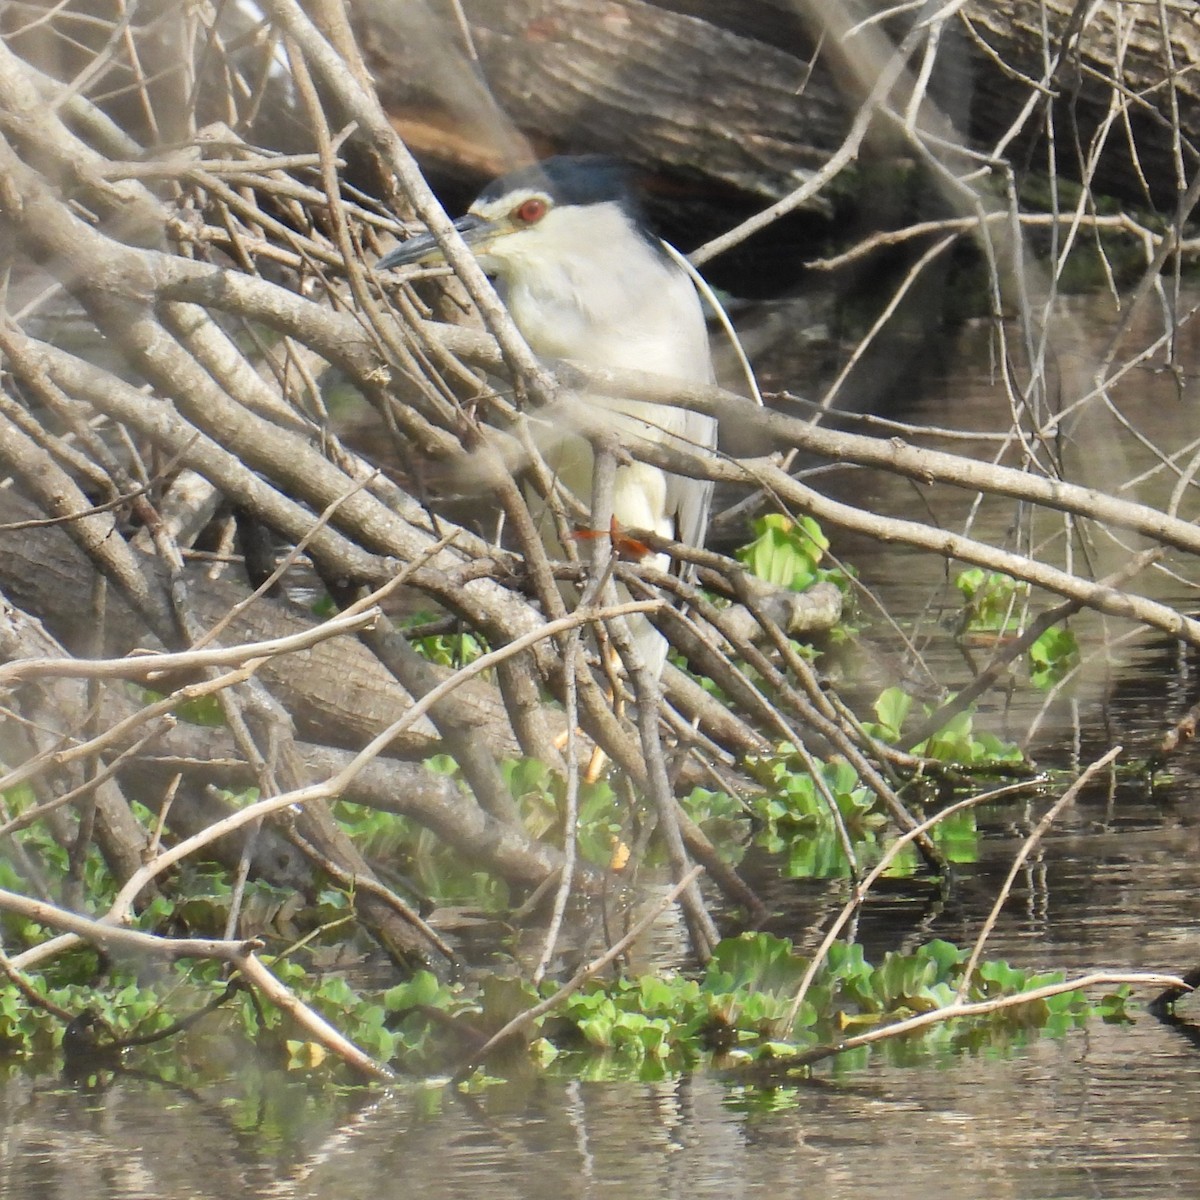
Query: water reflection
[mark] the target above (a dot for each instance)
(1106, 1112)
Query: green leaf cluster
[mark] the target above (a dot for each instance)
(1053, 654)
(787, 552)
(794, 816)
(648, 1026)
(446, 649)
(956, 742)
(740, 1006)
(993, 600)
(995, 606)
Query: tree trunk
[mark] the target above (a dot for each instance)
(751, 96)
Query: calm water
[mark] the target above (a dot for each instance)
(1105, 1112)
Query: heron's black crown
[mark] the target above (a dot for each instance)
(573, 180)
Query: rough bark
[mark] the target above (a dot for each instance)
(1121, 50)
(753, 95)
(337, 692)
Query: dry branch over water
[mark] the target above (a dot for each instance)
(218, 425)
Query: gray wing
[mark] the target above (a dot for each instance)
(690, 500)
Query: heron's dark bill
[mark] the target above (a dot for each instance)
(423, 249)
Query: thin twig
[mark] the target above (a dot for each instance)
(1035, 836)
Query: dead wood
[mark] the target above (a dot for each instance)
(755, 95)
(338, 693)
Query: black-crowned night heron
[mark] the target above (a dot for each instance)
(586, 281)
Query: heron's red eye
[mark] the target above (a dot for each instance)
(530, 211)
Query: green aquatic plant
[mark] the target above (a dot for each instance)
(741, 1006)
(788, 552)
(994, 609)
(993, 601)
(1052, 655)
(802, 815)
(956, 742)
(447, 647)
(756, 998)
